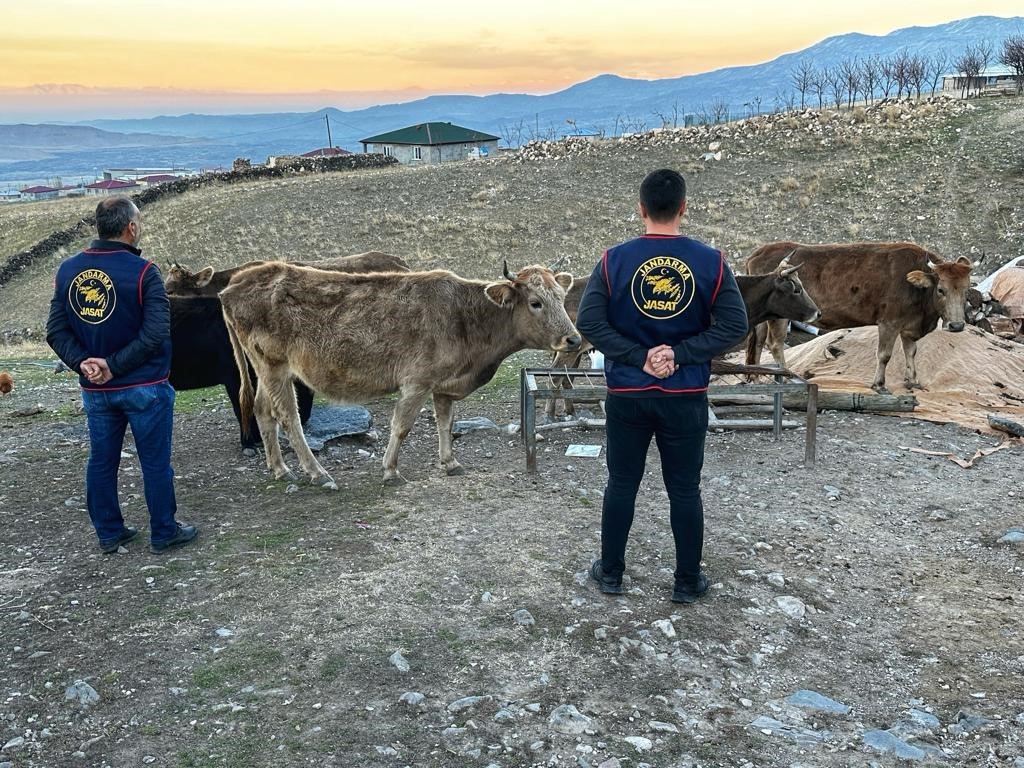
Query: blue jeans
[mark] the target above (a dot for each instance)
(679, 424)
(150, 412)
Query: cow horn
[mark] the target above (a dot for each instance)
(785, 260)
(931, 264)
(790, 270)
(506, 273)
(558, 262)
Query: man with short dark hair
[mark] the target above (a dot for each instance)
(110, 321)
(659, 308)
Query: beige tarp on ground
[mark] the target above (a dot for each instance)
(966, 375)
(1008, 290)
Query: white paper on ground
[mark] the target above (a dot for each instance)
(587, 451)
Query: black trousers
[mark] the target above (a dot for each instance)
(679, 424)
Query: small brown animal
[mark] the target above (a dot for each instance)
(6, 383)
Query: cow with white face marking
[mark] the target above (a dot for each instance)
(358, 337)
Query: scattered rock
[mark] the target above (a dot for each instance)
(665, 626)
(504, 715)
(523, 618)
(815, 702)
(886, 742)
(611, 762)
(224, 632)
(467, 702)
(386, 751)
(81, 692)
(777, 580)
(640, 743)
(412, 698)
(399, 662)
(791, 606)
(1012, 536)
(965, 722)
(565, 718)
(832, 493)
(771, 726)
(16, 743)
(915, 723)
(487, 597)
(475, 424)
(330, 422)
(657, 725)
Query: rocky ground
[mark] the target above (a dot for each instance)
(863, 612)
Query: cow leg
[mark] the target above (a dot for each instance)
(910, 354)
(402, 419)
(776, 336)
(886, 340)
(444, 415)
(263, 409)
(281, 390)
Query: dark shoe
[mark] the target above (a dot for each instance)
(184, 535)
(685, 593)
(610, 585)
(110, 547)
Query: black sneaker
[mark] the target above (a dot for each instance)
(684, 593)
(184, 535)
(610, 585)
(110, 547)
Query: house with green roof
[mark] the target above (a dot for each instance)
(432, 143)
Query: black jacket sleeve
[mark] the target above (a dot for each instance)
(155, 330)
(60, 336)
(592, 322)
(728, 325)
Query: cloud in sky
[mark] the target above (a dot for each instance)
(270, 52)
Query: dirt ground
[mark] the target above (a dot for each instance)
(267, 643)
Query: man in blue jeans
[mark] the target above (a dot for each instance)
(659, 308)
(110, 321)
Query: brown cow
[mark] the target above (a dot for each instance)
(207, 282)
(779, 294)
(900, 287)
(358, 337)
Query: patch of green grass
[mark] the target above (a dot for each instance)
(199, 400)
(241, 663)
(240, 751)
(333, 666)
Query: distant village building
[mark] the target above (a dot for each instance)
(110, 187)
(156, 178)
(432, 143)
(137, 174)
(40, 193)
(581, 133)
(69, 190)
(994, 78)
(326, 152)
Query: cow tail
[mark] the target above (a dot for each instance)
(246, 392)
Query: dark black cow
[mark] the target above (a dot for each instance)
(201, 356)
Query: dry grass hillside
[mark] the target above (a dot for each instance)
(949, 177)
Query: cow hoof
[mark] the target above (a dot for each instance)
(249, 452)
(325, 481)
(288, 475)
(454, 470)
(393, 481)
(880, 389)
(912, 385)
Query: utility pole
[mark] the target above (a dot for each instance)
(327, 119)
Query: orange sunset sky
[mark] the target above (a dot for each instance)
(229, 55)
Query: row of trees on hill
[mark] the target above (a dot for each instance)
(900, 75)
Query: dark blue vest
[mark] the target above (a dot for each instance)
(102, 290)
(661, 288)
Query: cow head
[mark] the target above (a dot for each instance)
(788, 298)
(536, 298)
(181, 282)
(948, 283)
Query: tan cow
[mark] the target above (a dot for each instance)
(180, 281)
(900, 287)
(358, 337)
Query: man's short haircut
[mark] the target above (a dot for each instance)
(112, 216)
(662, 193)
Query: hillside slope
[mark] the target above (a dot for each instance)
(950, 177)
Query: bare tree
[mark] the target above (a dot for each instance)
(850, 70)
(887, 74)
(986, 54)
(917, 69)
(720, 110)
(968, 64)
(871, 71)
(703, 116)
(901, 72)
(819, 85)
(1012, 56)
(936, 65)
(512, 133)
(670, 118)
(836, 85)
(802, 78)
